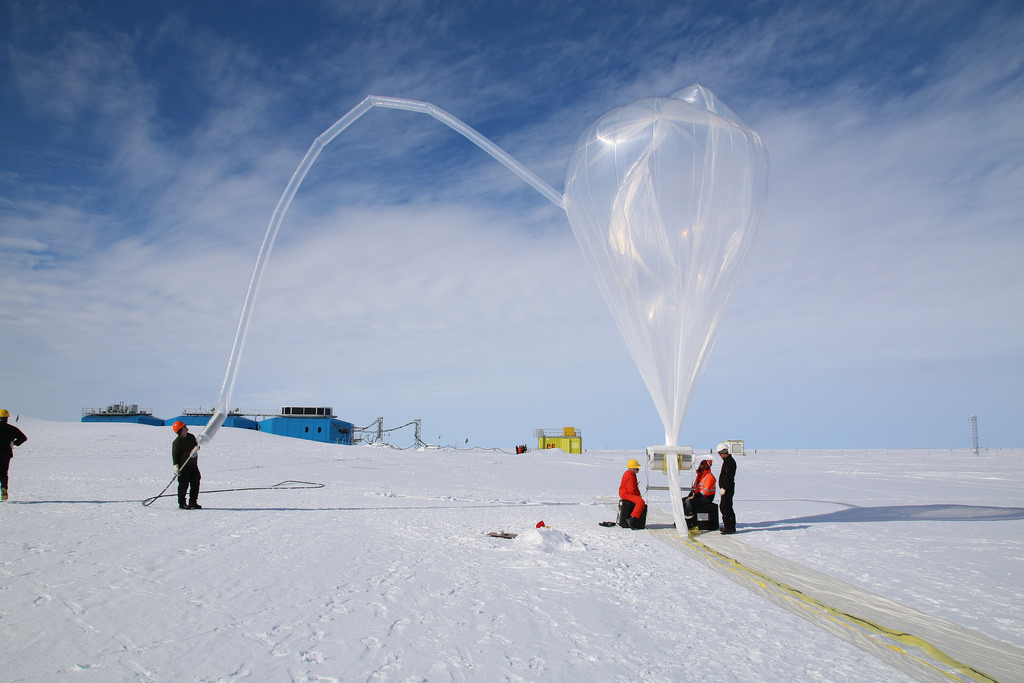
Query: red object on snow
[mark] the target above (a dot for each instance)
(540, 524)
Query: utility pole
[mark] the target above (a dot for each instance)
(419, 440)
(974, 434)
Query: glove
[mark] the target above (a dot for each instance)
(177, 471)
(721, 492)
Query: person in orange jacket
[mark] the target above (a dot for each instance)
(629, 490)
(703, 490)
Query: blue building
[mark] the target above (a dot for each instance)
(312, 423)
(300, 422)
(121, 412)
(201, 420)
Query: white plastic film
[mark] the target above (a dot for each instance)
(664, 196)
(241, 331)
(675, 492)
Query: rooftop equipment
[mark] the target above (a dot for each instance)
(121, 412)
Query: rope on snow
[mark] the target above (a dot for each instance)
(280, 486)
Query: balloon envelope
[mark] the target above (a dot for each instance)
(664, 196)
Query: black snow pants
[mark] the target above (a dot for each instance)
(189, 478)
(728, 514)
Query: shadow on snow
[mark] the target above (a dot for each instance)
(901, 513)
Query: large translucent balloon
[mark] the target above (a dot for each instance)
(664, 197)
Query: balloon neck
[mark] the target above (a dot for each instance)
(216, 420)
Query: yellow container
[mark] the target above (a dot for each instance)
(569, 444)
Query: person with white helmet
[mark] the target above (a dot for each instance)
(727, 482)
(629, 491)
(9, 436)
(186, 466)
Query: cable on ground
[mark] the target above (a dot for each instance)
(280, 486)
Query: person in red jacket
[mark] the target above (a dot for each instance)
(703, 490)
(629, 490)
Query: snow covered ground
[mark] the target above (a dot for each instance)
(387, 572)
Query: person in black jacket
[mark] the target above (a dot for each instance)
(727, 484)
(9, 435)
(187, 468)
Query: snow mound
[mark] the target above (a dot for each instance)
(548, 540)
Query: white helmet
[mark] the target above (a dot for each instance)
(722, 447)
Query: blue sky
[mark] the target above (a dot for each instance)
(145, 145)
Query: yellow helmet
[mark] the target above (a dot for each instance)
(633, 465)
(4, 413)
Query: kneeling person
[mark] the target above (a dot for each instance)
(629, 490)
(703, 491)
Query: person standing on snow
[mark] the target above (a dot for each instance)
(9, 435)
(727, 480)
(186, 468)
(629, 490)
(703, 490)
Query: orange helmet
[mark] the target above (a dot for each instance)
(177, 426)
(704, 465)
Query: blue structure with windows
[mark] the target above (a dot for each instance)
(312, 423)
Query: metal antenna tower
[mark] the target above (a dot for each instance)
(974, 434)
(374, 432)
